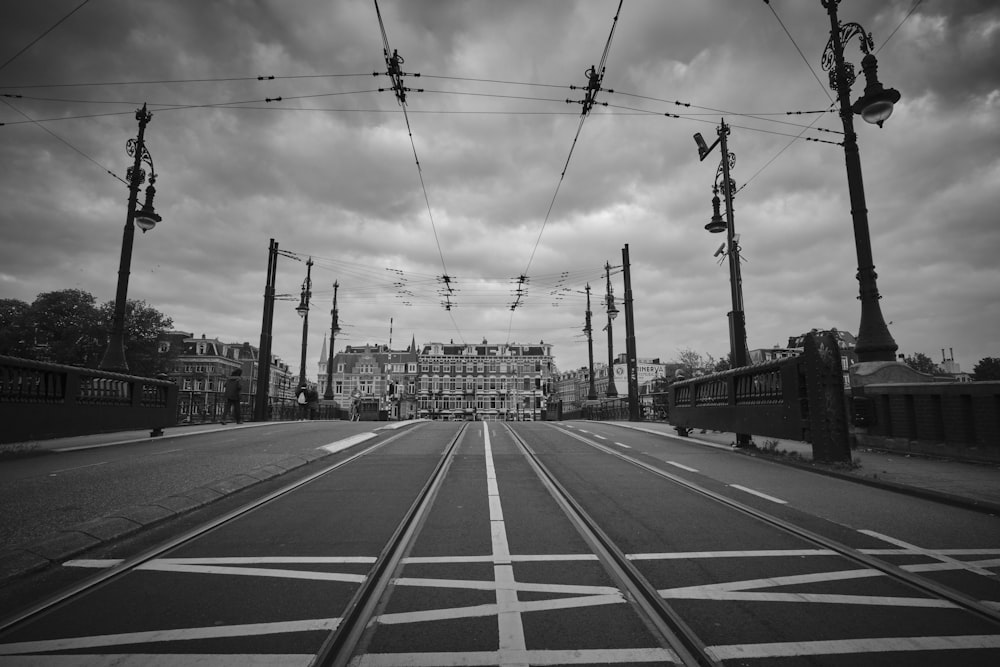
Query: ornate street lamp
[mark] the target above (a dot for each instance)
(146, 218)
(303, 310)
(737, 317)
(334, 328)
(874, 342)
(611, 391)
(588, 329)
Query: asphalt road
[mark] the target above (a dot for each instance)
(496, 571)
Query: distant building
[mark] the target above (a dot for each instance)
(445, 380)
(200, 367)
(846, 343)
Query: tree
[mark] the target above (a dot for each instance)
(13, 327)
(987, 368)
(691, 363)
(922, 363)
(65, 328)
(143, 325)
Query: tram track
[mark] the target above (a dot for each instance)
(894, 572)
(131, 564)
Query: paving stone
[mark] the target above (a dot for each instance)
(20, 562)
(145, 514)
(179, 504)
(108, 528)
(63, 546)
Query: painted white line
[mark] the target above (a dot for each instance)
(509, 623)
(181, 634)
(759, 494)
(340, 445)
(598, 436)
(682, 466)
(523, 558)
(89, 465)
(161, 660)
(622, 444)
(929, 553)
(851, 646)
(486, 585)
(685, 555)
(608, 656)
(491, 609)
(159, 566)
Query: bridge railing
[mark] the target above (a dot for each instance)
(798, 398)
(39, 400)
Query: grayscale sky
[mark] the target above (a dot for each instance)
(329, 170)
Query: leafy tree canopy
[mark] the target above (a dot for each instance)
(68, 327)
(922, 363)
(987, 368)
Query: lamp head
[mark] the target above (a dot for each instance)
(717, 224)
(146, 217)
(876, 105)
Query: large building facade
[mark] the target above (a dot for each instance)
(444, 380)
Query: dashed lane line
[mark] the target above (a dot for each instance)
(682, 466)
(622, 444)
(759, 494)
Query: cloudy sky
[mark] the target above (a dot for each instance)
(509, 183)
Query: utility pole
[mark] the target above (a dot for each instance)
(592, 393)
(260, 411)
(612, 391)
(334, 328)
(631, 362)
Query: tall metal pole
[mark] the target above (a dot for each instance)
(334, 328)
(737, 325)
(114, 356)
(737, 319)
(611, 391)
(874, 342)
(631, 360)
(592, 392)
(304, 311)
(260, 411)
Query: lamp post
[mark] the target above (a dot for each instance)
(588, 329)
(631, 356)
(334, 328)
(146, 218)
(303, 310)
(609, 301)
(737, 318)
(874, 342)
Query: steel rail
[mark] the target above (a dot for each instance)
(922, 584)
(130, 564)
(682, 640)
(342, 643)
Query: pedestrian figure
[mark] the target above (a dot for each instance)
(312, 396)
(303, 401)
(232, 394)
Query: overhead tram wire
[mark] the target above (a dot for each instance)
(595, 76)
(395, 74)
(46, 32)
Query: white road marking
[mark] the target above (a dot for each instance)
(685, 555)
(487, 585)
(622, 444)
(340, 445)
(160, 566)
(508, 615)
(598, 436)
(851, 646)
(759, 494)
(491, 609)
(930, 553)
(173, 635)
(607, 656)
(682, 467)
(89, 465)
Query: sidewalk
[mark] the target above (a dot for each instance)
(70, 443)
(961, 483)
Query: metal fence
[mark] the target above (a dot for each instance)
(39, 400)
